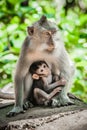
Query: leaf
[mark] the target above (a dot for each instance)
(14, 2)
(12, 27)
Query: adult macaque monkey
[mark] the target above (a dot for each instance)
(45, 84)
(42, 43)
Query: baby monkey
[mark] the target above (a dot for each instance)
(45, 84)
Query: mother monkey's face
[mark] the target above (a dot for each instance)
(42, 33)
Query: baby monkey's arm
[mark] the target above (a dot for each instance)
(50, 87)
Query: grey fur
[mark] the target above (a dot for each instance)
(34, 48)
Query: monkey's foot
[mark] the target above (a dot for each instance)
(27, 104)
(54, 103)
(62, 101)
(48, 103)
(15, 111)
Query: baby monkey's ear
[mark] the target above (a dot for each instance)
(35, 76)
(30, 30)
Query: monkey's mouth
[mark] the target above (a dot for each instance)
(43, 75)
(50, 48)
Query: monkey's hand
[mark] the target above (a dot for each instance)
(27, 104)
(61, 82)
(16, 110)
(57, 90)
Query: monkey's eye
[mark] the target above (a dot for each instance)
(47, 33)
(44, 66)
(53, 31)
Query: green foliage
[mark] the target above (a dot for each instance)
(14, 18)
(74, 26)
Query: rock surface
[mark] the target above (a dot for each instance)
(72, 117)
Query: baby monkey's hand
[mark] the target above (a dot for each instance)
(57, 90)
(62, 82)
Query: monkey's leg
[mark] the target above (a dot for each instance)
(22, 69)
(18, 108)
(53, 101)
(27, 86)
(27, 92)
(62, 98)
(19, 91)
(38, 94)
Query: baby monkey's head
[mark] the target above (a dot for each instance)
(39, 69)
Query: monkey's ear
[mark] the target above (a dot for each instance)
(30, 30)
(42, 19)
(35, 76)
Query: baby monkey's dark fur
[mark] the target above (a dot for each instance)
(46, 86)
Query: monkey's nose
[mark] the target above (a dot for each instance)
(41, 70)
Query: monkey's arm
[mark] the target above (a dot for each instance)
(20, 74)
(52, 86)
(18, 108)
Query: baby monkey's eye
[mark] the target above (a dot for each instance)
(44, 66)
